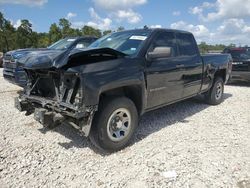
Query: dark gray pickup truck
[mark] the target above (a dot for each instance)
(101, 91)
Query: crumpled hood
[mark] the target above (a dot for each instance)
(36, 59)
(59, 59)
(17, 54)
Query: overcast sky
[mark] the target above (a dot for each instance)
(213, 21)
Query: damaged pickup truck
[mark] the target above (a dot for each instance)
(102, 90)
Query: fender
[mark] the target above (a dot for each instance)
(96, 83)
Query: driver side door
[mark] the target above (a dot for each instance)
(164, 75)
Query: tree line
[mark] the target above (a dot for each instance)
(206, 48)
(24, 37)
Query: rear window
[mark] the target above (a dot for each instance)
(187, 44)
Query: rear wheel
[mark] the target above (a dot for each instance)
(215, 95)
(114, 124)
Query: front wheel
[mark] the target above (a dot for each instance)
(114, 124)
(215, 95)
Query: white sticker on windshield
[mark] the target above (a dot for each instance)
(71, 40)
(136, 37)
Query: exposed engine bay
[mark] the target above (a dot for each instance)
(55, 97)
(57, 91)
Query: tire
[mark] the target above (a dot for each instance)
(215, 95)
(114, 124)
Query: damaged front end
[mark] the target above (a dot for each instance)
(56, 97)
(54, 91)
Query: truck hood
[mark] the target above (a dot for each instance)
(17, 54)
(59, 59)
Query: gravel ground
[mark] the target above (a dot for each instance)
(188, 144)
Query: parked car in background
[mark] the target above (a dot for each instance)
(1, 59)
(13, 71)
(241, 63)
(102, 90)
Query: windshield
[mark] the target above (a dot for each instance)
(242, 54)
(62, 44)
(127, 42)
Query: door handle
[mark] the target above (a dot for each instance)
(180, 65)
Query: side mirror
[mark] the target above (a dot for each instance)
(160, 52)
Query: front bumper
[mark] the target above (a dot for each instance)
(240, 75)
(51, 105)
(50, 113)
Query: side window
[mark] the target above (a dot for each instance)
(187, 45)
(165, 39)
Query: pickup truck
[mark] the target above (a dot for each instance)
(13, 71)
(241, 63)
(102, 90)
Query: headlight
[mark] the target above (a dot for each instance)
(18, 56)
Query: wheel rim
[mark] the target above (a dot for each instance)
(219, 91)
(119, 124)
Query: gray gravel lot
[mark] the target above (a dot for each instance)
(189, 144)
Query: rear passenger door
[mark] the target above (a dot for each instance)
(189, 58)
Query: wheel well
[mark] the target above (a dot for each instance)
(134, 93)
(221, 73)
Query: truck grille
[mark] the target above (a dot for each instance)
(7, 57)
(7, 62)
(9, 65)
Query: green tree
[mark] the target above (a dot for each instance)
(107, 32)
(54, 33)
(25, 36)
(90, 31)
(7, 34)
(203, 47)
(43, 40)
(76, 32)
(65, 27)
